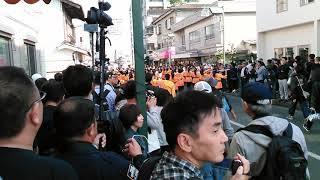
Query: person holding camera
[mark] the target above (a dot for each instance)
(192, 123)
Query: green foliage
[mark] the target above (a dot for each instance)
(174, 2)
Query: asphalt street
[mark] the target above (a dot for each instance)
(312, 137)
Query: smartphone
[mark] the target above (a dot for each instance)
(235, 164)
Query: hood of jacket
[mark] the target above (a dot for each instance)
(276, 125)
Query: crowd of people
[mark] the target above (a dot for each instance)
(55, 127)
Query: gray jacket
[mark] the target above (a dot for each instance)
(226, 125)
(154, 121)
(253, 146)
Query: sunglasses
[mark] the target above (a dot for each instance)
(42, 96)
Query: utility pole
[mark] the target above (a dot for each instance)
(223, 37)
(139, 61)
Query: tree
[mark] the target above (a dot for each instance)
(173, 2)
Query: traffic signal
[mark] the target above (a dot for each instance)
(98, 16)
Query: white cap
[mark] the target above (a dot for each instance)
(35, 77)
(202, 86)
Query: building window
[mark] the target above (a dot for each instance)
(69, 34)
(209, 31)
(305, 2)
(282, 5)
(149, 30)
(194, 36)
(303, 51)
(168, 24)
(150, 47)
(183, 40)
(278, 53)
(159, 30)
(29, 58)
(171, 21)
(5, 49)
(289, 52)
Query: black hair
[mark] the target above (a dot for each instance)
(73, 116)
(97, 76)
(148, 77)
(129, 89)
(128, 115)
(17, 92)
(77, 80)
(185, 113)
(39, 82)
(54, 90)
(58, 76)
(312, 56)
(163, 97)
(167, 76)
(299, 69)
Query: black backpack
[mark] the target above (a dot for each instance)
(285, 158)
(96, 99)
(147, 167)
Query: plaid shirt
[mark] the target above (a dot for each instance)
(172, 167)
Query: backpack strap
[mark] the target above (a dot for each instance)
(105, 93)
(259, 129)
(95, 96)
(288, 132)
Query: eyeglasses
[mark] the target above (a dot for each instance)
(42, 96)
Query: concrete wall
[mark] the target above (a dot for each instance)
(269, 19)
(283, 38)
(297, 26)
(203, 44)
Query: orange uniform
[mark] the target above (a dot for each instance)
(169, 86)
(187, 76)
(218, 77)
(196, 77)
(178, 80)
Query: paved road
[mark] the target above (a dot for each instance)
(312, 137)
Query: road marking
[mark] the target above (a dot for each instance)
(311, 154)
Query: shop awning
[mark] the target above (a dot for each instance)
(185, 55)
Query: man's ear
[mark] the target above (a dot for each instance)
(185, 142)
(91, 130)
(35, 114)
(246, 107)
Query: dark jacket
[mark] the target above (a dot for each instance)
(46, 134)
(296, 91)
(89, 163)
(315, 72)
(283, 71)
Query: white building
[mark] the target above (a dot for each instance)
(41, 37)
(199, 29)
(288, 28)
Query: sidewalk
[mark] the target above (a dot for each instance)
(274, 101)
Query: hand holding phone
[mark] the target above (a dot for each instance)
(235, 164)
